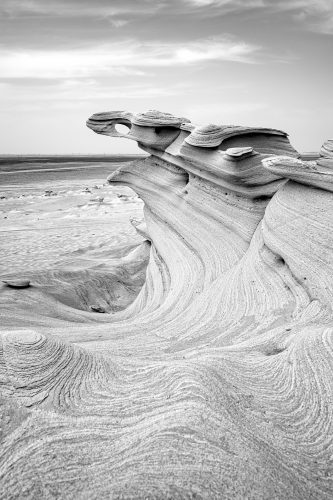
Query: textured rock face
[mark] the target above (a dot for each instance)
(216, 382)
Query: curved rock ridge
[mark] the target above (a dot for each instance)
(327, 149)
(319, 174)
(48, 373)
(216, 381)
(154, 118)
(211, 136)
(104, 123)
(158, 130)
(153, 128)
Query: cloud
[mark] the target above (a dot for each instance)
(63, 64)
(76, 8)
(316, 15)
(223, 111)
(78, 94)
(313, 14)
(212, 49)
(119, 23)
(128, 57)
(225, 6)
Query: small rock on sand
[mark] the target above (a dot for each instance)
(17, 283)
(98, 309)
(99, 199)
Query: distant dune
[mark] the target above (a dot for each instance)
(186, 354)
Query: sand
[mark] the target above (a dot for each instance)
(212, 378)
(61, 227)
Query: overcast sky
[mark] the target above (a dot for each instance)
(243, 62)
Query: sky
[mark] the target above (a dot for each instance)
(243, 62)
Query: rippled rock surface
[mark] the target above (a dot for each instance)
(216, 382)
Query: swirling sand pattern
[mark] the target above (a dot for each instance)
(216, 382)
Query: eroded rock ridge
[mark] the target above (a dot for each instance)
(216, 382)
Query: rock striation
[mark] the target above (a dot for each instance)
(216, 381)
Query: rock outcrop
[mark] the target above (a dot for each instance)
(216, 382)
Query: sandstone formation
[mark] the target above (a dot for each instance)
(216, 382)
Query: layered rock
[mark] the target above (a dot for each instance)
(216, 381)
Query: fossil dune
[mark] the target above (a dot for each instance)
(216, 380)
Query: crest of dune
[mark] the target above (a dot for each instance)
(216, 381)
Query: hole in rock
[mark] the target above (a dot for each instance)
(122, 129)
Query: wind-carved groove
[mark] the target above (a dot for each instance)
(216, 379)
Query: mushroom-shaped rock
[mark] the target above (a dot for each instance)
(239, 152)
(153, 129)
(212, 136)
(227, 155)
(154, 118)
(104, 123)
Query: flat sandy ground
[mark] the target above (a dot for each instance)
(63, 213)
